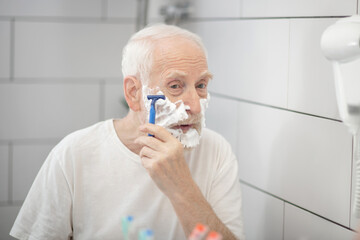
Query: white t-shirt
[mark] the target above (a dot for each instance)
(90, 180)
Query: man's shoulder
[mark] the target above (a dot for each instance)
(210, 136)
(213, 140)
(87, 137)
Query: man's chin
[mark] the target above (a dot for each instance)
(189, 138)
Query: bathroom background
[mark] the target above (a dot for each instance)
(273, 98)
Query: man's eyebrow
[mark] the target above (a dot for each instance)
(176, 73)
(206, 74)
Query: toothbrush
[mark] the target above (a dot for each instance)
(146, 234)
(214, 236)
(125, 224)
(198, 232)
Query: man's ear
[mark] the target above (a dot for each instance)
(132, 91)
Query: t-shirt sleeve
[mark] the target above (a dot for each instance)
(46, 212)
(225, 196)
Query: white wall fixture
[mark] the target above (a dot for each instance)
(341, 45)
(175, 11)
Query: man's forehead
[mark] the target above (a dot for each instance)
(178, 73)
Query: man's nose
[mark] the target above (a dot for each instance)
(192, 99)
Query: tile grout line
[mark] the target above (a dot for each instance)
(283, 230)
(102, 100)
(59, 80)
(16, 203)
(12, 49)
(104, 12)
(295, 205)
(271, 106)
(351, 178)
(237, 130)
(258, 18)
(63, 19)
(288, 68)
(32, 141)
(10, 172)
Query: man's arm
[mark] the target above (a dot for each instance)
(193, 208)
(163, 158)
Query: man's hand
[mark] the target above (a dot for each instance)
(163, 157)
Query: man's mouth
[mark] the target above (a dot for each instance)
(184, 127)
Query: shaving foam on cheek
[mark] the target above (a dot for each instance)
(204, 103)
(192, 137)
(169, 114)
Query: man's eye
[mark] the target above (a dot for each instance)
(175, 86)
(201, 85)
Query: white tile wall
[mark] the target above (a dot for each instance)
(27, 160)
(221, 117)
(300, 224)
(46, 110)
(122, 8)
(214, 9)
(154, 9)
(311, 81)
(115, 101)
(58, 50)
(303, 159)
(4, 49)
(297, 158)
(201, 8)
(4, 174)
(53, 8)
(250, 61)
(262, 215)
(8, 215)
(297, 8)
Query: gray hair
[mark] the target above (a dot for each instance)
(137, 58)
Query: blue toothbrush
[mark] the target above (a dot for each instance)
(125, 224)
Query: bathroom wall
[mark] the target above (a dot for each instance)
(60, 70)
(272, 98)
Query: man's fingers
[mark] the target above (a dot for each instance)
(147, 157)
(150, 142)
(158, 132)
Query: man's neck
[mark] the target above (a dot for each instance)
(127, 131)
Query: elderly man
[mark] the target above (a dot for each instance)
(168, 182)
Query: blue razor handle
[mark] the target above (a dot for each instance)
(153, 99)
(152, 114)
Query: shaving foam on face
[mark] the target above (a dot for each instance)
(170, 114)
